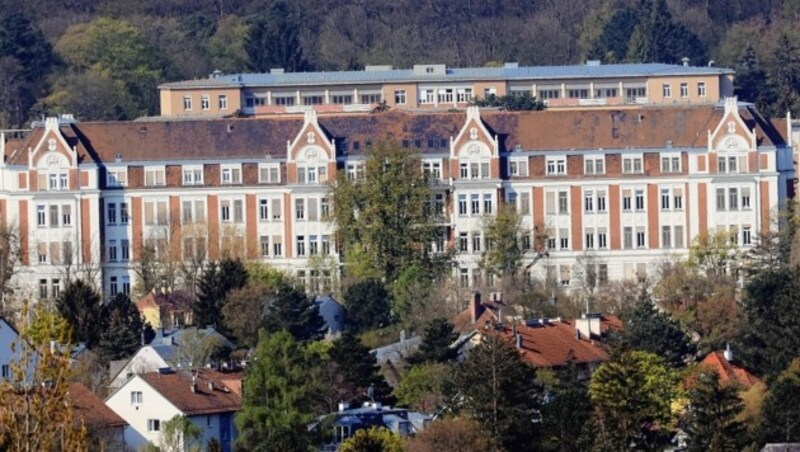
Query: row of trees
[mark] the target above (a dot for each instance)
(103, 60)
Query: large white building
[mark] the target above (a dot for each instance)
(630, 185)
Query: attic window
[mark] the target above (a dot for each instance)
(51, 144)
(356, 145)
(444, 143)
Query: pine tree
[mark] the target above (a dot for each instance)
(273, 41)
(217, 281)
(121, 333)
(436, 343)
(496, 388)
(650, 330)
(565, 416)
(713, 410)
(278, 399)
(781, 409)
(359, 369)
(750, 84)
(292, 310)
(785, 76)
(80, 305)
(368, 305)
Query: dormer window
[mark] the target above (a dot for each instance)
(231, 174)
(117, 177)
(193, 175)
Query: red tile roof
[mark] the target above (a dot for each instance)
(177, 388)
(729, 373)
(554, 343)
(589, 129)
(92, 410)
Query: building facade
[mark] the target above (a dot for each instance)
(437, 87)
(628, 186)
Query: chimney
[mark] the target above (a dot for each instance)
(475, 306)
(685, 61)
(343, 406)
(728, 353)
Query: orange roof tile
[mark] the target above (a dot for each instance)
(728, 372)
(554, 343)
(94, 412)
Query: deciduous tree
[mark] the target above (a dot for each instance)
(461, 434)
(373, 439)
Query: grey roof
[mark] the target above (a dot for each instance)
(289, 79)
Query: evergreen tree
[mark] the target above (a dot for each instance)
(436, 343)
(785, 76)
(121, 333)
(750, 84)
(713, 410)
(781, 409)
(650, 330)
(277, 401)
(496, 388)
(80, 305)
(217, 281)
(631, 396)
(359, 370)
(292, 310)
(273, 41)
(768, 341)
(658, 39)
(368, 305)
(565, 416)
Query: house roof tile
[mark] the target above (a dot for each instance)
(92, 410)
(729, 373)
(177, 388)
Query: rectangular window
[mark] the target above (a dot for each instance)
(41, 215)
(720, 199)
(601, 201)
(41, 251)
(117, 177)
(112, 250)
(670, 164)
(602, 238)
(187, 103)
(564, 274)
(556, 167)
(269, 174)
(125, 249)
(136, 397)
(154, 177)
(666, 90)
(627, 237)
(550, 202)
(54, 216)
(313, 100)
(588, 241)
(594, 165)
(264, 241)
(153, 425)
(563, 239)
(518, 168)
(193, 176)
(475, 204)
(277, 246)
(463, 242)
(326, 245)
(666, 237)
(400, 97)
(701, 89)
(238, 211)
(640, 238)
(524, 204)
(588, 201)
(733, 199)
(263, 209)
(300, 209)
(276, 209)
(626, 200)
(639, 199)
(225, 210)
(5, 371)
(563, 204)
(476, 242)
(111, 217)
(745, 198)
(665, 199)
(632, 165)
(677, 198)
(488, 203)
(464, 95)
(205, 102)
(342, 99)
(678, 236)
(370, 98)
(301, 245)
(747, 235)
(286, 101)
(232, 174)
(222, 102)
(684, 90)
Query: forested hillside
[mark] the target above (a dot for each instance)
(102, 59)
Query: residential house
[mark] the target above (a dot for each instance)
(166, 310)
(730, 373)
(208, 398)
(347, 421)
(170, 349)
(8, 336)
(105, 428)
